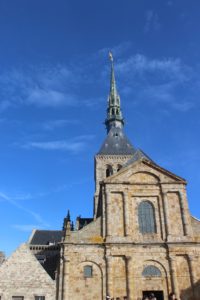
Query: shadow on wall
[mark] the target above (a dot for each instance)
(191, 293)
(49, 260)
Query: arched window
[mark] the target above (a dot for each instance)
(151, 271)
(113, 111)
(109, 171)
(119, 167)
(146, 217)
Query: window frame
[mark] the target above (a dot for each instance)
(41, 297)
(87, 274)
(146, 217)
(151, 271)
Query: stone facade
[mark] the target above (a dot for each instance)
(119, 252)
(2, 257)
(142, 238)
(22, 275)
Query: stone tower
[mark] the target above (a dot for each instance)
(116, 149)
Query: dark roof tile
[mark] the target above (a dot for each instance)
(116, 143)
(46, 237)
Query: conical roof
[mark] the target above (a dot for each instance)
(116, 143)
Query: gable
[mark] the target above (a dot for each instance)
(144, 172)
(23, 267)
(143, 177)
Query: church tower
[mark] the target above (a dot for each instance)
(116, 150)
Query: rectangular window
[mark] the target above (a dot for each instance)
(39, 297)
(17, 297)
(87, 271)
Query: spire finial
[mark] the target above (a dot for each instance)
(114, 114)
(111, 56)
(68, 215)
(67, 220)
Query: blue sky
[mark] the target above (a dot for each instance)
(54, 82)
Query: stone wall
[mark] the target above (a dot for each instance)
(75, 285)
(101, 164)
(22, 275)
(119, 252)
(2, 257)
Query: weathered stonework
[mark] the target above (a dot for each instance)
(118, 252)
(2, 257)
(22, 275)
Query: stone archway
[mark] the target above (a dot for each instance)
(153, 279)
(86, 282)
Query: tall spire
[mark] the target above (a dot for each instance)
(114, 114)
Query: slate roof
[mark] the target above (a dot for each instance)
(81, 222)
(46, 237)
(136, 156)
(116, 143)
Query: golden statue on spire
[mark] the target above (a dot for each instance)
(111, 56)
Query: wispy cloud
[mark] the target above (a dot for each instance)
(49, 98)
(159, 80)
(141, 65)
(165, 95)
(36, 216)
(170, 3)
(49, 86)
(117, 50)
(151, 21)
(61, 85)
(56, 145)
(54, 124)
(25, 227)
(73, 146)
(52, 86)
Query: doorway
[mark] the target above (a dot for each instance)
(158, 294)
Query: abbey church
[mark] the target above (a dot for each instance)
(141, 239)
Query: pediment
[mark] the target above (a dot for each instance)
(27, 266)
(143, 177)
(144, 171)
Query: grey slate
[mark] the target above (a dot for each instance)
(46, 237)
(139, 154)
(116, 143)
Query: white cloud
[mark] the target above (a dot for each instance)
(164, 95)
(25, 227)
(50, 86)
(57, 145)
(61, 85)
(73, 146)
(53, 124)
(159, 80)
(49, 98)
(117, 51)
(14, 203)
(170, 3)
(140, 64)
(151, 21)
